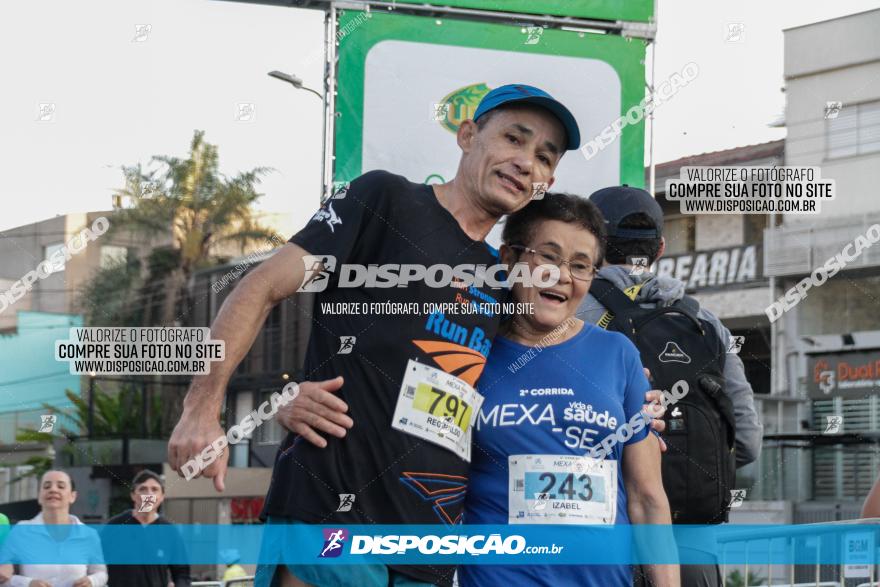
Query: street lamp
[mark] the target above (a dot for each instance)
(294, 81)
(327, 101)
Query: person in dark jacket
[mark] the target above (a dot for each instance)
(147, 495)
(634, 222)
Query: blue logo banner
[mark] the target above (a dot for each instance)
(831, 544)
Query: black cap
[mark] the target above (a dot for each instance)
(618, 202)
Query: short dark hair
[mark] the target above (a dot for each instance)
(146, 475)
(482, 121)
(620, 251)
(520, 226)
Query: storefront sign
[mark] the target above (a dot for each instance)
(857, 550)
(850, 374)
(715, 268)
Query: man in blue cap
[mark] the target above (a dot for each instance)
(384, 470)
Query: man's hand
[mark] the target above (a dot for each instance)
(38, 583)
(83, 582)
(237, 323)
(193, 433)
(317, 409)
(655, 409)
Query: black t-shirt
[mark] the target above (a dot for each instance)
(396, 478)
(146, 575)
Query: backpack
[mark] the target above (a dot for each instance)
(699, 466)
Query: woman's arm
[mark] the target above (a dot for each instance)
(22, 581)
(96, 571)
(646, 500)
(871, 507)
(97, 574)
(8, 578)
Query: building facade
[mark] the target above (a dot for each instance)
(29, 378)
(23, 248)
(827, 346)
(720, 259)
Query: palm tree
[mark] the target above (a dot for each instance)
(199, 207)
(189, 201)
(109, 297)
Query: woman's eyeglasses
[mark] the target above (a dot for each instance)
(581, 268)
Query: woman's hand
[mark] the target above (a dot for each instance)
(38, 583)
(83, 582)
(655, 409)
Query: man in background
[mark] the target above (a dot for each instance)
(634, 223)
(147, 495)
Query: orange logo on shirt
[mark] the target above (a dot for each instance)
(463, 362)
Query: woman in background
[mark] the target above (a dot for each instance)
(57, 494)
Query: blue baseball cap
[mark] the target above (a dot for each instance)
(521, 93)
(618, 202)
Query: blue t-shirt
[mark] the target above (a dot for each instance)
(559, 400)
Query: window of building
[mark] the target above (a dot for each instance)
(8, 427)
(753, 228)
(58, 262)
(5, 485)
(26, 487)
(680, 233)
(112, 255)
(843, 304)
(755, 355)
(270, 432)
(272, 341)
(845, 473)
(854, 131)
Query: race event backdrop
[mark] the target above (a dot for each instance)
(631, 10)
(406, 82)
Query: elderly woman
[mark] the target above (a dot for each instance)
(57, 494)
(554, 388)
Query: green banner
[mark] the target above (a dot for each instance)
(632, 10)
(397, 72)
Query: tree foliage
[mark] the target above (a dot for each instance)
(736, 579)
(116, 415)
(187, 211)
(187, 208)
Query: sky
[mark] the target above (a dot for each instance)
(134, 78)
